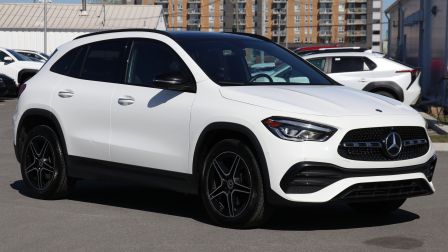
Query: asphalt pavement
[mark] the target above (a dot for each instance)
(101, 216)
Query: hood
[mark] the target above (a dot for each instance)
(316, 100)
(29, 64)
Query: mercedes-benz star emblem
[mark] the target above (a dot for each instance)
(393, 144)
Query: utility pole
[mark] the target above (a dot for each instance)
(45, 26)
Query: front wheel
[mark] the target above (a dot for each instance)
(380, 207)
(232, 186)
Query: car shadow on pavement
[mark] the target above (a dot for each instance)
(332, 216)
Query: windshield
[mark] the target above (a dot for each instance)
(230, 61)
(19, 56)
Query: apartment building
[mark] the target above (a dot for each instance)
(289, 22)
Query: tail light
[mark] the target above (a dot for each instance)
(414, 74)
(21, 89)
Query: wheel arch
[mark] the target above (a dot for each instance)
(388, 86)
(34, 117)
(217, 131)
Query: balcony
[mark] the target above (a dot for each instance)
(193, 11)
(241, 1)
(161, 1)
(324, 33)
(356, 21)
(193, 1)
(276, 33)
(277, 22)
(325, 22)
(356, 1)
(325, 1)
(325, 11)
(278, 11)
(279, 1)
(357, 10)
(239, 23)
(360, 33)
(240, 11)
(194, 22)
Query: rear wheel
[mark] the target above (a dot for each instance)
(380, 207)
(231, 185)
(42, 164)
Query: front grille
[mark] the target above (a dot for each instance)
(309, 177)
(385, 190)
(368, 144)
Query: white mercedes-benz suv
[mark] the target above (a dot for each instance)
(182, 111)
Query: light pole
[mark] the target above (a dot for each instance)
(45, 26)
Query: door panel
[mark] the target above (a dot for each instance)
(83, 111)
(153, 130)
(150, 127)
(86, 78)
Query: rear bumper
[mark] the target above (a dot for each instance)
(312, 182)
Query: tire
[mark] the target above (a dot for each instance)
(379, 207)
(43, 165)
(386, 93)
(231, 177)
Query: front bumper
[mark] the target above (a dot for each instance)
(311, 182)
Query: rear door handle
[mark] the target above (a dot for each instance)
(66, 93)
(125, 101)
(363, 80)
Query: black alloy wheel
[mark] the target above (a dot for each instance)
(229, 184)
(232, 187)
(42, 164)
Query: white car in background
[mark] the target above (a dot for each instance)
(368, 71)
(34, 55)
(17, 66)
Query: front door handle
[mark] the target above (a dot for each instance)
(66, 93)
(363, 80)
(125, 101)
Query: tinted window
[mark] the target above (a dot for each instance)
(104, 61)
(247, 61)
(66, 63)
(319, 63)
(150, 59)
(351, 64)
(2, 56)
(18, 56)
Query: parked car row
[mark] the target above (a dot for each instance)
(16, 67)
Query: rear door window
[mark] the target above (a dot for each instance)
(351, 64)
(105, 61)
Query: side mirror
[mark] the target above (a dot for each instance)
(174, 81)
(8, 60)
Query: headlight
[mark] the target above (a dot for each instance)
(297, 130)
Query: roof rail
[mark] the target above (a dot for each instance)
(333, 50)
(124, 30)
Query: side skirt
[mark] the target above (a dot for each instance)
(87, 168)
